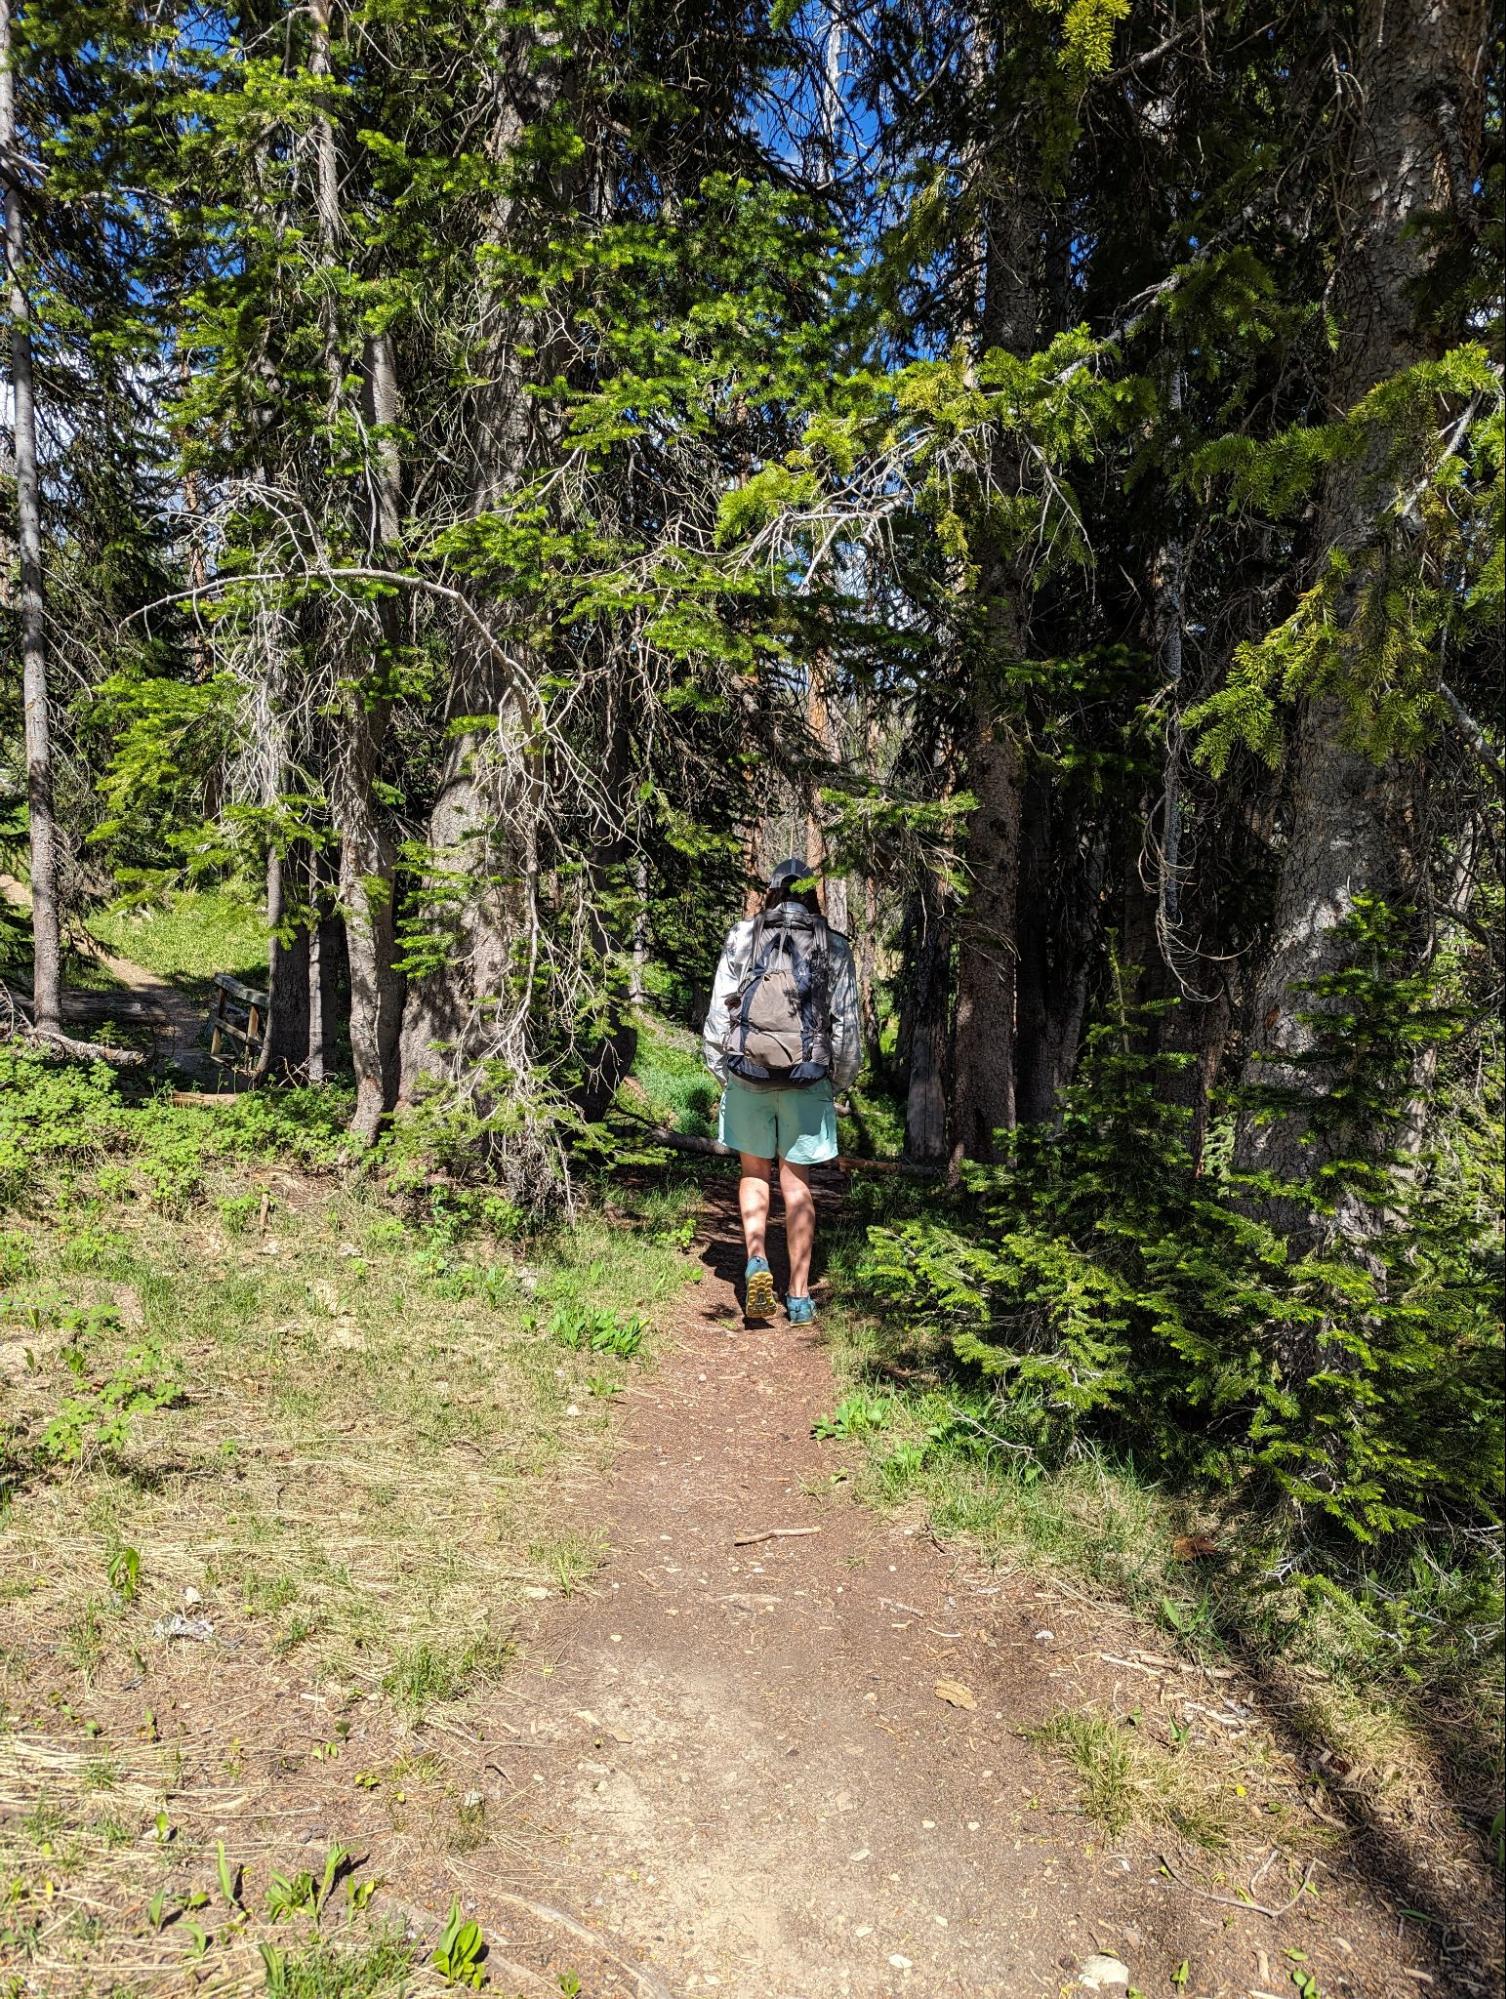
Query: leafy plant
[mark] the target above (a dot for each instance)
(229, 1876)
(100, 1418)
(461, 1951)
(124, 1573)
(856, 1415)
(590, 1330)
(1101, 1287)
(300, 1894)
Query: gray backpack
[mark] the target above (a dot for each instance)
(780, 1032)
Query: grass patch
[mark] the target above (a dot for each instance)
(570, 1560)
(327, 1971)
(431, 1674)
(188, 935)
(1373, 1671)
(671, 1085)
(1128, 1781)
(341, 1446)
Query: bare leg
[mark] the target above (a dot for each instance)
(799, 1224)
(753, 1202)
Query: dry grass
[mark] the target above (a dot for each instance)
(1128, 1778)
(371, 1467)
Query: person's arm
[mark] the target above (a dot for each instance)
(718, 1015)
(846, 1020)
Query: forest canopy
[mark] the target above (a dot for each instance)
(496, 478)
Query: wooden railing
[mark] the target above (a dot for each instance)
(239, 1018)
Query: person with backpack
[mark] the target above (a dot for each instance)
(782, 1036)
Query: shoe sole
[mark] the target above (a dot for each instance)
(760, 1300)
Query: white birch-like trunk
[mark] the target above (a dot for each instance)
(46, 928)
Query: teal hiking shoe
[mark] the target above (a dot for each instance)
(802, 1311)
(758, 1289)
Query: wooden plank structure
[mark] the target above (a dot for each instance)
(238, 1017)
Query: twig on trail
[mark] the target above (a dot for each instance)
(1236, 1902)
(773, 1534)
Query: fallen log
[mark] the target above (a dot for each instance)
(712, 1148)
(16, 1024)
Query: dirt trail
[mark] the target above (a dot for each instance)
(175, 1021)
(734, 1763)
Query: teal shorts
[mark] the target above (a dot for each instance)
(797, 1125)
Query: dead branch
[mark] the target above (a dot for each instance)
(16, 1024)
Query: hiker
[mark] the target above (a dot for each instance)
(781, 1037)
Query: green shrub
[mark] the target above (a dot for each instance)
(62, 1115)
(1106, 1290)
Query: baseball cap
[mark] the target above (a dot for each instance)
(793, 870)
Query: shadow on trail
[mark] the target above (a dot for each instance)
(1456, 1907)
(723, 1253)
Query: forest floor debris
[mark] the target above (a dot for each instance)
(453, 1670)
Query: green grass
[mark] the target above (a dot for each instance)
(431, 1674)
(330, 1971)
(674, 1088)
(190, 934)
(874, 1127)
(1127, 1779)
(359, 1459)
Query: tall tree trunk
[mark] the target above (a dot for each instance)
(483, 834)
(987, 943)
(822, 725)
(367, 858)
(984, 1098)
(326, 955)
(1417, 71)
(923, 1035)
(867, 972)
(638, 977)
(367, 866)
(47, 998)
(284, 1050)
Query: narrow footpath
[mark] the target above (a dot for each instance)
(780, 1749)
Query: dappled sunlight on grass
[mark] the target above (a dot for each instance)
(350, 1470)
(189, 934)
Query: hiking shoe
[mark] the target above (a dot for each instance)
(802, 1311)
(758, 1292)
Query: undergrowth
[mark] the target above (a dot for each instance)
(283, 1460)
(1084, 1357)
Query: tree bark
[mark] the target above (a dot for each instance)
(987, 942)
(1417, 71)
(483, 833)
(326, 957)
(637, 977)
(46, 922)
(1060, 884)
(284, 1050)
(368, 856)
(923, 1032)
(994, 766)
(367, 866)
(819, 721)
(367, 851)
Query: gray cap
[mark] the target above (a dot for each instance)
(792, 870)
